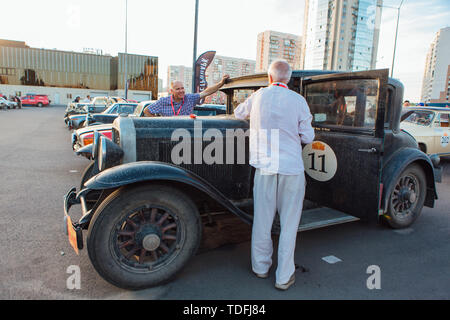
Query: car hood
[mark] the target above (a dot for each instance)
(413, 129)
(99, 127)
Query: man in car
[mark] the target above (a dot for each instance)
(179, 103)
(280, 121)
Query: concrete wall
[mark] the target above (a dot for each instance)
(66, 95)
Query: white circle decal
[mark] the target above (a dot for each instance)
(319, 160)
(444, 139)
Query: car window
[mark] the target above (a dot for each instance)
(126, 109)
(240, 96)
(139, 108)
(421, 117)
(112, 109)
(444, 120)
(345, 103)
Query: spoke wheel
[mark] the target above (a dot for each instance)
(143, 236)
(147, 238)
(407, 198)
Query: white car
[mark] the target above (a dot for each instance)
(7, 104)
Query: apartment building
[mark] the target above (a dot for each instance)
(341, 34)
(180, 73)
(273, 45)
(436, 78)
(221, 65)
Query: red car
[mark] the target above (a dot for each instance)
(38, 100)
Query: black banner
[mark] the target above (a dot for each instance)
(201, 65)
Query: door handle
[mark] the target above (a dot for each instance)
(371, 150)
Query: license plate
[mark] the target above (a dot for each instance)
(72, 235)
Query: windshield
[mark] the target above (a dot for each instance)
(344, 103)
(422, 118)
(139, 108)
(240, 95)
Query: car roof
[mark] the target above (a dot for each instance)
(424, 108)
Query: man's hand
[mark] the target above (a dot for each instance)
(148, 113)
(214, 88)
(224, 79)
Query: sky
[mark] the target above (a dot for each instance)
(165, 28)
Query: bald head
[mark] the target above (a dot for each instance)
(176, 83)
(280, 71)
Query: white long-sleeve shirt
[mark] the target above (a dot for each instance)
(280, 120)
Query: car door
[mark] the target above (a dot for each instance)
(343, 164)
(442, 133)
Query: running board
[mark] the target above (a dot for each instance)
(317, 218)
(323, 217)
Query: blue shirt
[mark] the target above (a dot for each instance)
(164, 107)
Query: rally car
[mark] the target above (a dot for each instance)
(430, 127)
(149, 187)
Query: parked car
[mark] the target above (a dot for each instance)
(430, 127)
(143, 207)
(7, 104)
(38, 100)
(75, 108)
(83, 120)
(98, 105)
(84, 136)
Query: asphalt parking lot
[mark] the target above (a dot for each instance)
(38, 166)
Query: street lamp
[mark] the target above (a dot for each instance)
(195, 46)
(126, 32)
(396, 32)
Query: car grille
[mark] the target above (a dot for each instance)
(116, 136)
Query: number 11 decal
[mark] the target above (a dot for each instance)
(320, 161)
(313, 159)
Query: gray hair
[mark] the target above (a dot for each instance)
(280, 70)
(175, 81)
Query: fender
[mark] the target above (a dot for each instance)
(395, 166)
(144, 171)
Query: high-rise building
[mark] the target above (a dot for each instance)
(180, 73)
(341, 34)
(273, 45)
(221, 65)
(436, 77)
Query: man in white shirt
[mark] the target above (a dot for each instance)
(280, 121)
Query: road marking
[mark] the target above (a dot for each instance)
(404, 231)
(331, 259)
(73, 171)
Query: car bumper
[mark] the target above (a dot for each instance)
(73, 230)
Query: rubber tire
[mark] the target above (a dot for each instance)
(40, 105)
(115, 207)
(393, 220)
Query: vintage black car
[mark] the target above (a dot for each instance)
(103, 123)
(142, 207)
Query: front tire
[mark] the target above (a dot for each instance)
(143, 236)
(407, 198)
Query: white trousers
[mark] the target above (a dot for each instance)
(271, 193)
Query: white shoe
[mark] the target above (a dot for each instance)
(262, 275)
(286, 285)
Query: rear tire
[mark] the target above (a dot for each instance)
(40, 105)
(407, 198)
(143, 236)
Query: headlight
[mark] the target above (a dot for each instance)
(109, 154)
